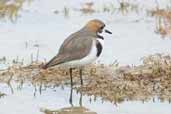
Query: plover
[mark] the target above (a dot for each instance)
(80, 48)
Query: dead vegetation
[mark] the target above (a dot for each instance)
(115, 84)
(9, 9)
(163, 21)
(87, 8)
(126, 7)
(69, 110)
(135, 83)
(123, 6)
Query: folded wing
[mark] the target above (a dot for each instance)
(73, 48)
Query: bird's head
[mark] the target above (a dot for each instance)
(96, 26)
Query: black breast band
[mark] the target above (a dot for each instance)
(99, 48)
(100, 37)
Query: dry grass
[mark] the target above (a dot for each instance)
(138, 82)
(69, 110)
(112, 83)
(9, 9)
(163, 21)
(126, 7)
(87, 8)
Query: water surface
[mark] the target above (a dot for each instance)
(38, 34)
(26, 100)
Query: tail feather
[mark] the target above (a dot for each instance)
(53, 62)
(44, 66)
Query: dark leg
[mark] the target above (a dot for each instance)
(70, 73)
(70, 98)
(80, 100)
(81, 79)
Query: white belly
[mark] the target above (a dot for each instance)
(90, 58)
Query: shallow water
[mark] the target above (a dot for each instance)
(25, 100)
(38, 31)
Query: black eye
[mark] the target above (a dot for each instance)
(102, 27)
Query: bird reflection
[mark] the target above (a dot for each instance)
(72, 109)
(71, 100)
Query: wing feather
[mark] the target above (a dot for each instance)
(73, 48)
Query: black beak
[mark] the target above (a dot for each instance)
(107, 31)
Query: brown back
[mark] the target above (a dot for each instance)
(75, 47)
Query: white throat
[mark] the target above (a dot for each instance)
(101, 41)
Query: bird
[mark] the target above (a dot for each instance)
(80, 48)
